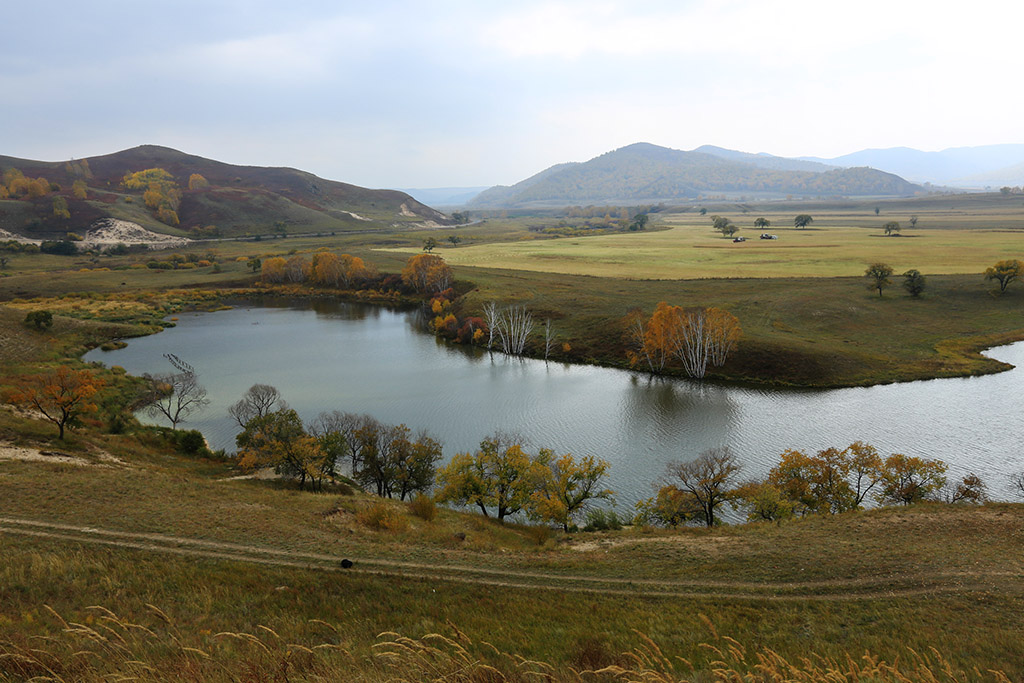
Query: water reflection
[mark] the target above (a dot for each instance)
(326, 355)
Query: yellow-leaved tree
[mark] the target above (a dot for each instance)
(62, 395)
(566, 487)
(499, 475)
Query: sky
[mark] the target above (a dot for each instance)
(417, 94)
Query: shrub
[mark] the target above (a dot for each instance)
(380, 516)
(191, 442)
(423, 507)
(539, 533)
(602, 520)
(41, 320)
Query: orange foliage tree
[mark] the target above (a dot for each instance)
(427, 273)
(197, 182)
(695, 337)
(273, 270)
(79, 190)
(62, 395)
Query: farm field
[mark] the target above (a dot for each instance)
(689, 249)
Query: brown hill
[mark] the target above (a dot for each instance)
(239, 200)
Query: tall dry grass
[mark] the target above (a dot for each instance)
(108, 647)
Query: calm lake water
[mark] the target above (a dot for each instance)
(366, 359)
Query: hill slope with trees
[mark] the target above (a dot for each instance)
(208, 198)
(648, 173)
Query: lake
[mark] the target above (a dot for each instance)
(326, 356)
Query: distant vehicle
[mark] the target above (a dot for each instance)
(739, 239)
(766, 236)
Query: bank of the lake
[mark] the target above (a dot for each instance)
(327, 356)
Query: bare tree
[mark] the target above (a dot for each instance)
(549, 337)
(493, 320)
(175, 395)
(257, 402)
(709, 480)
(514, 329)
(1017, 481)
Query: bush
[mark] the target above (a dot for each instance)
(62, 248)
(602, 520)
(41, 320)
(380, 516)
(190, 442)
(423, 507)
(539, 533)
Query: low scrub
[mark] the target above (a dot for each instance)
(380, 516)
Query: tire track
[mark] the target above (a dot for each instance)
(646, 588)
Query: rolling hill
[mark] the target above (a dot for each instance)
(235, 200)
(646, 173)
(986, 165)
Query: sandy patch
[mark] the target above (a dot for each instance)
(107, 232)
(702, 544)
(357, 216)
(9, 451)
(404, 210)
(6, 236)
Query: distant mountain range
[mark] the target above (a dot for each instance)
(234, 200)
(646, 173)
(969, 167)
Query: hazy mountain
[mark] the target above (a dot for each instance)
(957, 165)
(238, 199)
(643, 173)
(764, 160)
(443, 196)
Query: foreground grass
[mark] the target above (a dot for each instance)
(219, 554)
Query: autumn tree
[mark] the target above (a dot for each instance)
(515, 323)
(913, 282)
(278, 439)
(394, 463)
(670, 507)
(160, 192)
(831, 481)
(566, 487)
(60, 208)
(174, 395)
(258, 401)
(79, 190)
(274, 270)
(325, 269)
(499, 475)
(878, 274)
(352, 270)
(802, 220)
(764, 502)
(427, 273)
(63, 395)
(695, 337)
(1005, 272)
(971, 489)
(710, 480)
(197, 182)
(909, 479)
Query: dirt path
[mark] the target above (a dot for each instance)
(869, 588)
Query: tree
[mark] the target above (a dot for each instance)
(427, 273)
(670, 507)
(892, 228)
(831, 481)
(41, 320)
(254, 264)
(696, 337)
(492, 318)
(802, 221)
(79, 190)
(325, 269)
(393, 463)
(719, 223)
(567, 487)
(429, 244)
(913, 221)
(278, 439)
(639, 222)
(62, 395)
(1005, 272)
(175, 395)
(879, 274)
(764, 502)
(197, 182)
(515, 324)
(549, 337)
(710, 479)
(1017, 482)
(454, 239)
(908, 479)
(258, 401)
(703, 211)
(970, 489)
(60, 208)
(499, 475)
(878, 210)
(913, 282)
(762, 223)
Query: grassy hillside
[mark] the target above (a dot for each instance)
(648, 173)
(238, 199)
(124, 523)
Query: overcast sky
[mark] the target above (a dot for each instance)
(452, 93)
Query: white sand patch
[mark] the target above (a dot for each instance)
(6, 236)
(9, 451)
(406, 212)
(357, 216)
(107, 232)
